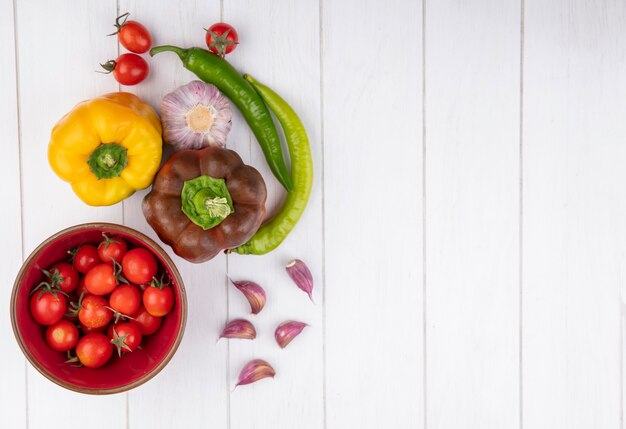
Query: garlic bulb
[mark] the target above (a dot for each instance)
(195, 115)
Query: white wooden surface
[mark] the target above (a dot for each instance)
(467, 230)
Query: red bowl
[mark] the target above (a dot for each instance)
(119, 374)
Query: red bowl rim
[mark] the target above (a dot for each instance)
(154, 247)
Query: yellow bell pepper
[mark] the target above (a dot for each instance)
(107, 148)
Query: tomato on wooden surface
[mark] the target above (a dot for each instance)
(111, 249)
(127, 69)
(139, 266)
(148, 323)
(94, 350)
(132, 35)
(62, 336)
(221, 38)
(85, 258)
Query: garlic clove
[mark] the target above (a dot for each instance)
(254, 293)
(239, 328)
(255, 370)
(287, 331)
(195, 115)
(301, 275)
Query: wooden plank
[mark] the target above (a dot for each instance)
(51, 81)
(12, 372)
(372, 101)
(279, 45)
(472, 213)
(195, 379)
(574, 210)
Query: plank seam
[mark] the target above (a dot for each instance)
(521, 221)
(424, 211)
(21, 182)
(323, 180)
(227, 366)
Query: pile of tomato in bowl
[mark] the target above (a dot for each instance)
(99, 308)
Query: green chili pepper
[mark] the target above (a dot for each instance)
(213, 69)
(271, 234)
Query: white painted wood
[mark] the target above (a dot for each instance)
(360, 364)
(372, 82)
(574, 210)
(472, 213)
(193, 387)
(13, 368)
(52, 79)
(280, 47)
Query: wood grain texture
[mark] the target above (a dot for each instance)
(195, 380)
(280, 47)
(574, 211)
(472, 213)
(51, 81)
(373, 213)
(13, 369)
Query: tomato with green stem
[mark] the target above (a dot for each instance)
(93, 350)
(103, 279)
(47, 306)
(62, 336)
(158, 298)
(85, 257)
(132, 35)
(127, 69)
(62, 276)
(139, 266)
(221, 38)
(111, 249)
(93, 311)
(125, 336)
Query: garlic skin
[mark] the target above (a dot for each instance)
(255, 370)
(195, 115)
(301, 275)
(287, 331)
(253, 292)
(239, 328)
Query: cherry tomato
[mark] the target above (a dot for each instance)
(133, 35)
(72, 300)
(81, 289)
(94, 350)
(62, 336)
(88, 330)
(125, 299)
(221, 38)
(93, 311)
(62, 276)
(47, 307)
(111, 249)
(158, 300)
(85, 258)
(101, 280)
(128, 69)
(139, 266)
(148, 324)
(126, 336)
